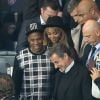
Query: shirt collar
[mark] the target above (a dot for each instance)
(69, 67)
(97, 50)
(98, 20)
(42, 21)
(97, 45)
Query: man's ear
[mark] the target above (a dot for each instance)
(92, 11)
(65, 55)
(98, 33)
(41, 10)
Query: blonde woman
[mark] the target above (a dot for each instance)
(55, 32)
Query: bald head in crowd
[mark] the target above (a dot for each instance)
(91, 32)
(86, 10)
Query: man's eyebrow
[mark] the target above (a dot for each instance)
(86, 35)
(76, 15)
(80, 14)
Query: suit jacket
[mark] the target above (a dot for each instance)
(74, 85)
(17, 77)
(75, 33)
(77, 37)
(87, 50)
(31, 8)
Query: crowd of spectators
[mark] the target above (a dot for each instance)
(56, 45)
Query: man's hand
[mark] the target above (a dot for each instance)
(95, 73)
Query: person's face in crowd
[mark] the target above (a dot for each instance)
(74, 14)
(60, 62)
(48, 12)
(53, 34)
(90, 36)
(6, 86)
(35, 41)
(84, 13)
(91, 32)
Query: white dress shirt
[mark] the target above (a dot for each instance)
(42, 21)
(69, 67)
(95, 90)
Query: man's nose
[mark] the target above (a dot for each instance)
(56, 67)
(35, 42)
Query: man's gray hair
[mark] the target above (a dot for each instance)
(70, 6)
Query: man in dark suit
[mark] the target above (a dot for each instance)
(76, 33)
(87, 10)
(30, 8)
(48, 9)
(72, 81)
(81, 11)
(91, 34)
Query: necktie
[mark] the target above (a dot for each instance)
(91, 62)
(80, 38)
(93, 50)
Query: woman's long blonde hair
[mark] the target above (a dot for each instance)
(63, 37)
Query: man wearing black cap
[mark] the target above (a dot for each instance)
(33, 69)
(48, 8)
